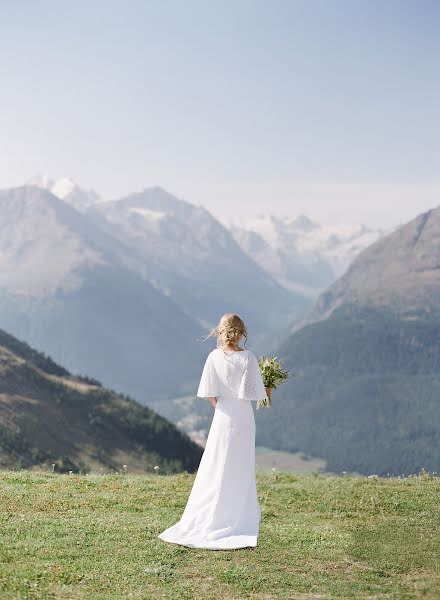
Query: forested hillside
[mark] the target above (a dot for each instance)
(365, 395)
(49, 417)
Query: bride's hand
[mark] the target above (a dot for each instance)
(268, 391)
(213, 402)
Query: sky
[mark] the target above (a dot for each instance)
(323, 107)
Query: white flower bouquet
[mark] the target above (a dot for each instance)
(272, 374)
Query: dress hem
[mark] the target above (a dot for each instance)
(213, 545)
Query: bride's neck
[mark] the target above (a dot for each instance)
(234, 348)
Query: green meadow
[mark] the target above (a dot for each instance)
(321, 537)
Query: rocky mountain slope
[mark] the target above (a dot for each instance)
(50, 417)
(72, 290)
(401, 271)
(193, 258)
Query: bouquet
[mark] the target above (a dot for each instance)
(272, 374)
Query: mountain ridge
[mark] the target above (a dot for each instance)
(194, 258)
(302, 255)
(391, 271)
(66, 189)
(301, 267)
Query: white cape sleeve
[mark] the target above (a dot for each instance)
(252, 386)
(210, 384)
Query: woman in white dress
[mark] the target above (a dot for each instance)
(222, 511)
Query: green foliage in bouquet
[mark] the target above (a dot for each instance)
(272, 374)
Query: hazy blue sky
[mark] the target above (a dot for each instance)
(328, 107)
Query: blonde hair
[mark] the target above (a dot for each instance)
(229, 331)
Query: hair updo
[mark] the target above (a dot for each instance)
(229, 331)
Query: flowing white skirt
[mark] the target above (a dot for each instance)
(222, 511)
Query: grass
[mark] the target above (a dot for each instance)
(321, 537)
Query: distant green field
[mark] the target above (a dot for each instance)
(95, 537)
(273, 460)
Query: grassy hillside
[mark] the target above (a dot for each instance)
(95, 537)
(48, 416)
(365, 393)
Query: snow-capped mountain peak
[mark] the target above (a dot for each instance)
(299, 251)
(66, 189)
(63, 187)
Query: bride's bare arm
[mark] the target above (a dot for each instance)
(213, 401)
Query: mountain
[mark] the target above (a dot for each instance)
(365, 389)
(193, 258)
(48, 416)
(73, 291)
(66, 189)
(303, 256)
(400, 271)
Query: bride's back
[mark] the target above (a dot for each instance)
(230, 366)
(232, 376)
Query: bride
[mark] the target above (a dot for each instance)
(222, 511)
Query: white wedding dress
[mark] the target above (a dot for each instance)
(222, 511)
